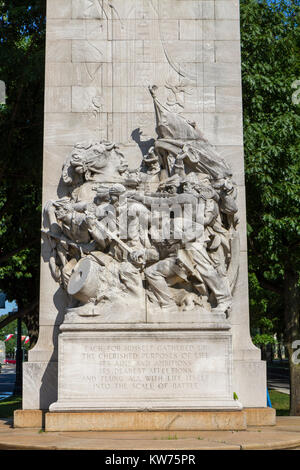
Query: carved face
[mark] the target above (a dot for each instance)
(102, 197)
(171, 189)
(64, 215)
(188, 187)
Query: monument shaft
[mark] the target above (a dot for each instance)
(143, 102)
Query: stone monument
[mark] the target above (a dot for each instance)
(144, 302)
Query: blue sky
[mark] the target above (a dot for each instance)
(9, 306)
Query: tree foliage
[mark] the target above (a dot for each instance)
(22, 51)
(270, 70)
(270, 66)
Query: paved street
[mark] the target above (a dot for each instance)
(278, 379)
(7, 380)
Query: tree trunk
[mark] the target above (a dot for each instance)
(295, 388)
(292, 335)
(31, 321)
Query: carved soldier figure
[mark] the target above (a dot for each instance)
(194, 242)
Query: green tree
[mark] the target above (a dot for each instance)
(22, 51)
(270, 67)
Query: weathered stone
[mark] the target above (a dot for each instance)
(227, 9)
(144, 370)
(39, 385)
(101, 126)
(29, 419)
(65, 29)
(58, 9)
(58, 99)
(91, 51)
(228, 51)
(58, 51)
(147, 421)
(260, 416)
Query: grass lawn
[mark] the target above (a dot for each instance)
(9, 405)
(281, 402)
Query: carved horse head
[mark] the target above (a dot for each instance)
(98, 161)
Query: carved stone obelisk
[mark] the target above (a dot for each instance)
(144, 291)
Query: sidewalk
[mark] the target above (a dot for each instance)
(285, 435)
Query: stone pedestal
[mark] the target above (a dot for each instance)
(145, 420)
(145, 367)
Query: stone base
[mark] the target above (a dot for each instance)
(146, 421)
(39, 385)
(250, 374)
(29, 419)
(260, 416)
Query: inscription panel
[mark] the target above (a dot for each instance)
(159, 365)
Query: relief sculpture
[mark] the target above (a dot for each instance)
(164, 234)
